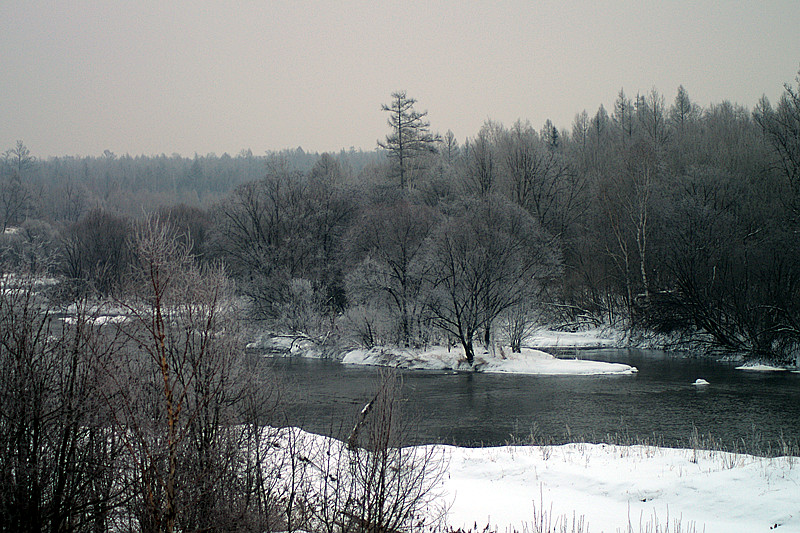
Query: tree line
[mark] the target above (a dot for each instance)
(655, 217)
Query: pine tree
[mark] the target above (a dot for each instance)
(409, 139)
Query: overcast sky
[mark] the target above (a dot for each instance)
(80, 77)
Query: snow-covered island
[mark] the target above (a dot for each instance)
(529, 361)
(499, 359)
(760, 367)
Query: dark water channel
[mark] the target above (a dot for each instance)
(659, 403)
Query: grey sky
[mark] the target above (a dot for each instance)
(80, 77)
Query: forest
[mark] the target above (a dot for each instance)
(673, 221)
(129, 284)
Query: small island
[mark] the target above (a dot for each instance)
(528, 361)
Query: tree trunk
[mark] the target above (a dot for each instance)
(516, 344)
(469, 351)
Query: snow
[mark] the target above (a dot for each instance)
(593, 338)
(608, 487)
(11, 281)
(700, 381)
(502, 361)
(101, 320)
(286, 345)
(760, 368)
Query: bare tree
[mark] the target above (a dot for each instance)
(392, 483)
(18, 159)
(580, 129)
(95, 252)
(450, 149)
(628, 203)
(279, 229)
(178, 388)
(781, 126)
(480, 172)
(623, 119)
(327, 170)
(683, 111)
(486, 257)
(542, 180)
(15, 199)
(391, 241)
(651, 117)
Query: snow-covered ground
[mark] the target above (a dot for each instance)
(607, 487)
(502, 360)
(611, 486)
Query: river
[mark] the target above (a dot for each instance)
(659, 404)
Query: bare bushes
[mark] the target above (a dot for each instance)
(157, 421)
(394, 483)
(57, 459)
(191, 413)
(183, 398)
(372, 483)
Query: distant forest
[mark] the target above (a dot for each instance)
(658, 216)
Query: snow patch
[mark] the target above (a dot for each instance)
(714, 491)
(700, 381)
(757, 367)
(101, 320)
(593, 338)
(286, 346)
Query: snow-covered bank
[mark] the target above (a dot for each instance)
(758, 367)
(593, 338)
(502, 361)
(286, 346)
(609, 485)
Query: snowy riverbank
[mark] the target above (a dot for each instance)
(607, 488)
(612, 486)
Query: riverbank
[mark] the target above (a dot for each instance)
(591, 487)
(611, 487)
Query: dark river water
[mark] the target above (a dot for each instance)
(659, 404)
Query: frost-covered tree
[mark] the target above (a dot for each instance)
(781, 127)
(486, 257)
(622, 118)
(683, 111)
(390, 240)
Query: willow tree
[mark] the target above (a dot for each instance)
(486, 257)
